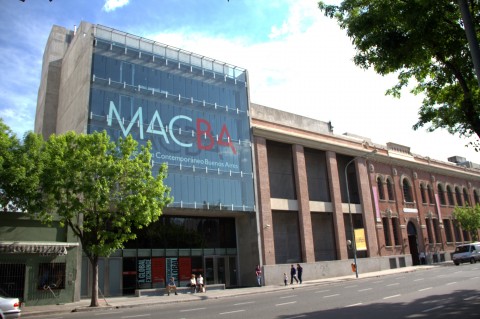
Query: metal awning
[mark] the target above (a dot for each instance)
(36, 247)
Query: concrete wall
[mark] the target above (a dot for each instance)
(75, 82)
(247, 247)
(48, 92)
(273, 274)
(268, 114)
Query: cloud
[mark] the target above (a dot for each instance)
(112, 5)
(307, 68)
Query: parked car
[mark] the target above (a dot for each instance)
(466, 253)
(9, 308)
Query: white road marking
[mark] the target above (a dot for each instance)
(137, 316)
(434, 308)
(243, 303)
(355, 304)
(394, 296)
(331, 296)
(291, 296)
(378, 281)
(300, 316)
(285, 303)
(229, 312)
(394, 284)
(320, 291)
(419, 279)
(425, 289)
(451, 283)
(194, 309)
(365, 289)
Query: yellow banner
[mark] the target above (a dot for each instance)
(360, 241)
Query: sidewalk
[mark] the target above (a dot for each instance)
(131, 301)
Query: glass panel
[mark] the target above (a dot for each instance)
(209, 271)
(221, 270)
(207, 149)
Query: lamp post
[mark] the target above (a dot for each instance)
(354, 243)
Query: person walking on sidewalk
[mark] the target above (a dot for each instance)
(258, 273)
(285, 278)
(293, 275)
(299, 272)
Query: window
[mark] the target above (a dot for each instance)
(456, 229)
(407, 191)
(448, 230)
(436, 229)
(458, 195)
(451, 201)
(476, 198)
(386, 232)
(381, 194)
(430, 194)
(423, 193)
(441, 194)
(395, 229)
(51, 276)
(390, 189)
(465, 197)
(429, 230)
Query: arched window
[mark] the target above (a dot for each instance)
(458, 196)
(476, 198)
(381, 194)
(430, 194)
(407, 191)
(466, 201)
(451, 201)
(390, 189)
(441, 194)
(423, 193)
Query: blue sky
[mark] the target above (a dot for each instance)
(298, 60)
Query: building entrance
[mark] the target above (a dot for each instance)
(221, 270)
(412, 243)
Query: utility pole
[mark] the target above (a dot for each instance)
(471, 36)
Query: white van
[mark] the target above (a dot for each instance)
(466, 253)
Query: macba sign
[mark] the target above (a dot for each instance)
(156, 127)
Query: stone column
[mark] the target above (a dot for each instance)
(303, 202)
(336, 196)
(367, 207)
(264, 206)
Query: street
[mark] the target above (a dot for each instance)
(442, 292)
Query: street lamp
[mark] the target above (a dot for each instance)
(354, 243)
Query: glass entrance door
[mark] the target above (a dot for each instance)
(221, 270)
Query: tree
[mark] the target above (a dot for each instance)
(102, 190)
(423, 41)
(20, 168)
(469, 219)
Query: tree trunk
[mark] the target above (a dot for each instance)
(94, 301)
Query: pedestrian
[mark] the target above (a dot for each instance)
(258, 273)
(285, 278)
(299, 272)
(422, 258)
(293, 275)
(200, 286)
(171, 286)
(193, 284)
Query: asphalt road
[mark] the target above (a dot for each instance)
(443, 292)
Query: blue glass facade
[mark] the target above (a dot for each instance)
(194, 111)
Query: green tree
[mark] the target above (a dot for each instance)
(20, 169)
(102, 190)
(423, 41)
(469, 219)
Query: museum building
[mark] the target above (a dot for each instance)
(251, 184)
